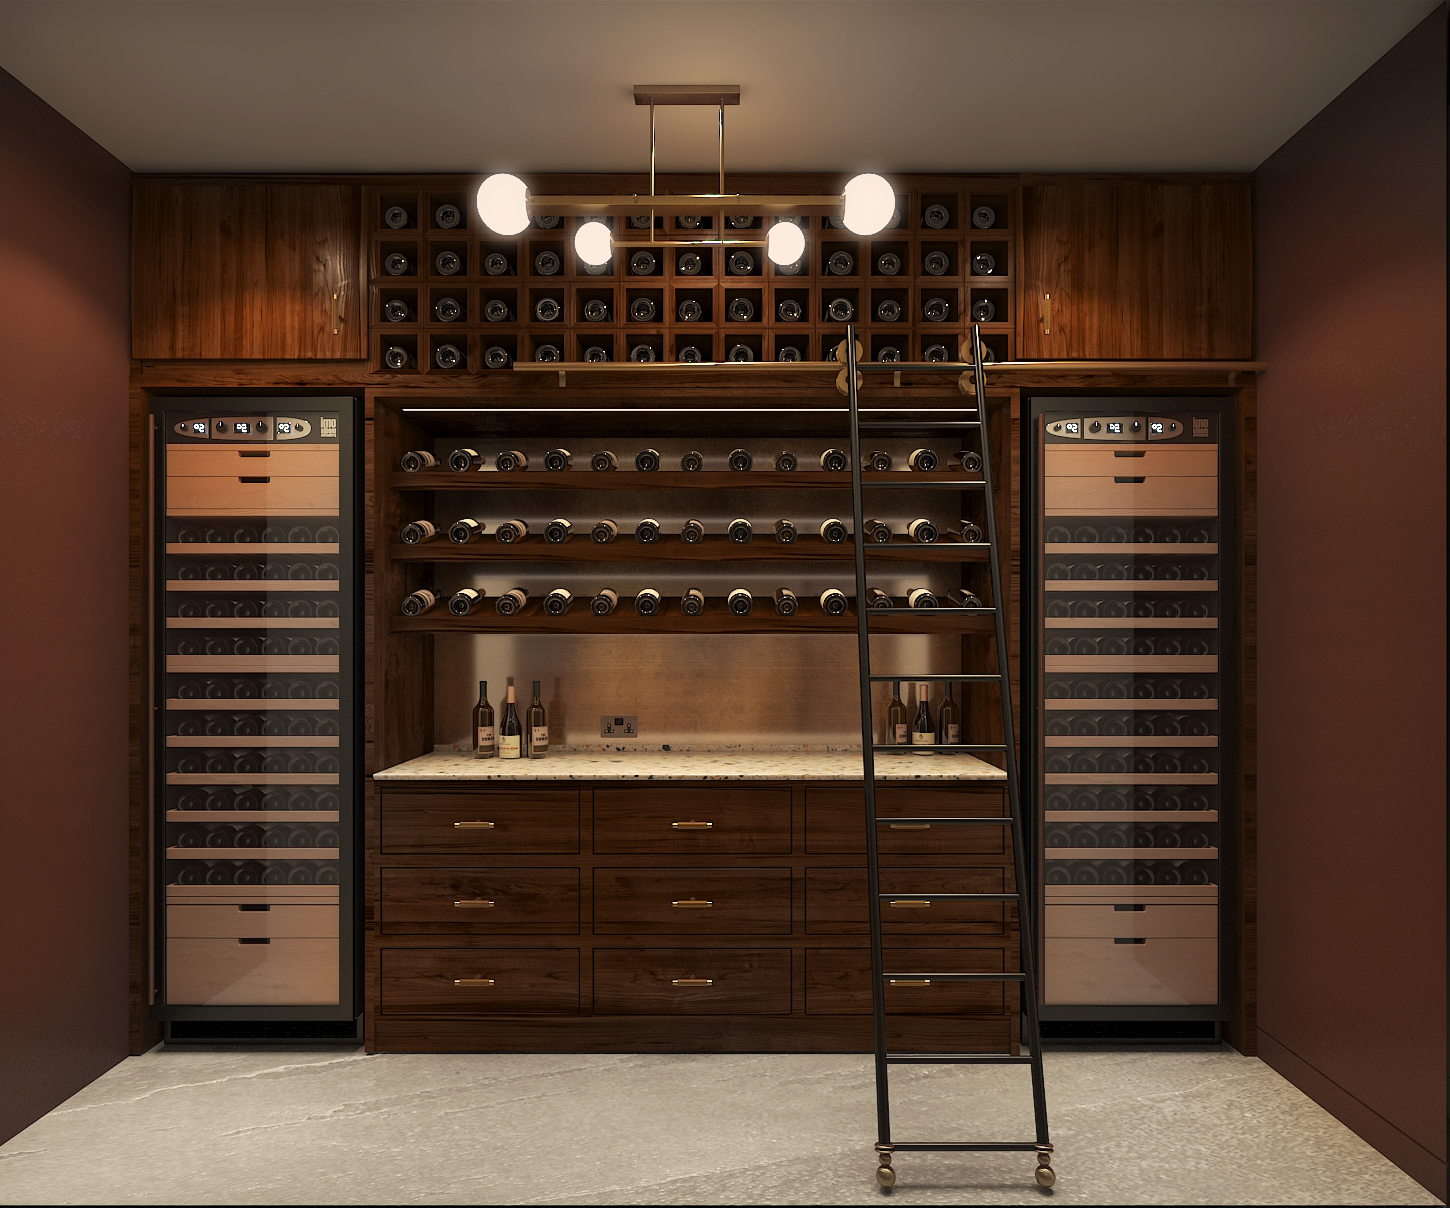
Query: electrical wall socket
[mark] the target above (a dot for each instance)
(619, 727)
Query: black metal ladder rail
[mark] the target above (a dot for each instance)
(880, 977)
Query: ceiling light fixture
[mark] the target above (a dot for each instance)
(867, 204)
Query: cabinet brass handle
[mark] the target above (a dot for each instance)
(473, 981)
(692, 904)
(475, 903)
(473, 826)
(692, 825)
(898, 981)
(1046, 314)
(692, 981)
(913, 903)
(910, 826)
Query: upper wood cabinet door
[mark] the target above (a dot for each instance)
(1136, 270)
(267, 271)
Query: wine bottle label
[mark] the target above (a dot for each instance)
(485, 739)
(898, 732)
(954, 732)
(509, 746)
(922, 739)
(538, 737)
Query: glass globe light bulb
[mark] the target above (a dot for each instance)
(785, 243)
(592, 242)
(870, 202)
(503, 204)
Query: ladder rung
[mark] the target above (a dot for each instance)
(956, 976)
(933, 821)
(967, 1146)
(926, 612)
(954, 897)
(935, 679)
(909, 484)
(956, 1059)
(934, 425)
(963, 748)
(898, 366)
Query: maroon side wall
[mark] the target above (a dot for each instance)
(1351, 743)
(65, 348)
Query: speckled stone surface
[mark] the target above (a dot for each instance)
(338, 1127)
(752, 763)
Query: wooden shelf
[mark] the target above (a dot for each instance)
(715, 619)
(1163, 664)
(704, 480)
(252, 853)
(1098, 740)
(252, 742)
(1090, 817)
(253, 815)
(204, 548)
(671, 549)
(1100, 703)
(1130, 622)
(234, 704)
(210, 778)
(1115, 585)
(253, 664)
(1188, 549)
(253, 622)
(1130, 853)
(1181, 778)
(228, 586)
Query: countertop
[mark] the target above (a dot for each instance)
(736, 763)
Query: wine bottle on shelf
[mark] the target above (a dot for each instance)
(510, 532)
(603, 461)
(923, 728)
(739, 531)
(465, 601)
(878, 532)
(510, 460)
(692, 533)
(415, 533)
(833, 531)
(510, 730)
(692, 462)
(833, 602)
(604, 602)
(538, 722)
(556, 460)
(647, 602)
(414, 461)
(460, 461)
(786, 604)
(512, 602)
(647, 460)
(924, 460)
(692, 603)
(834, 461)
(740, 602)
(921, 597)
(896, 730)
(485, 743)
(971, 461)
(972, 535)
(878, 460)
(739, 460)
(603, 532)
(876, 598)
(557, 602)
(785, 532)
(647, 531)
(922, 531)
(964, 597)
(785, 460)
(415, 604)
(557, 532)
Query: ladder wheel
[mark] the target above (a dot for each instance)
(1046, 1176)
(886, 1176)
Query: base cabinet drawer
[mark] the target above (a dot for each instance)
(503, 823)
(1106, 971)
(247, 971)
(251, 493)
(838, 981)
(1193, 461)
(692, 901)
(836, 901)
(1128, 920)
(479, 901)
(692, 981)
(233, 461)
(836, 821)
(686, 820)
(478, 981)
(250, 921)
(1106, 495)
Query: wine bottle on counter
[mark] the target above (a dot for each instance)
(922, 531)
(465, 531)
(833, 602)
(556, 532)
(739, 460)
(896, 731)
(647, 531)
(692, 462)
(510, 460)
(878, 460)
(923, 728)
(833, 532)
(949, 720)
(512, 602)
(786, 604)
(692, 533)
(414, 461)
(739, 531)
(647, 460)
(511, 532)
(417, 532)
(417, 603)
(604, 602)
(876, 598)
(465, 601)
(538, 722)
(485, 743)
(510, 731)
(460, 461)
(740, 602)
(785, 532)
(557, 602)
(692, 603)
(878, 532)
(604, 461)
(924, 460)
(834, 461)
(603, 532)
(921, 597)
(647, 602)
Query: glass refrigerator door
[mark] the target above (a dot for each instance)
(1129, 690)
(256, 747)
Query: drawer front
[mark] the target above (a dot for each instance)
(692, 981)
(223, 972)
(684, 821)
(1192, 461)
(230, 461)
(233, 494)
(479, 901)
(503, 823)
(478, 981)
(838, 981)
(1126, 920)
(248, 921)
(1104, 495)
(698, 901)
(1175, 971)
(836, 821)
(836, 901)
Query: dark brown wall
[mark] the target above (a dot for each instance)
(1351, 320)
(64, 344)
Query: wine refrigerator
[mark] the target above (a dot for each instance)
(1129, 719)
(256, 718)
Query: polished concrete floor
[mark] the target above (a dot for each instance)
(339, 1127)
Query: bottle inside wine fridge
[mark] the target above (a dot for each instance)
(1129, 746)
(256, 771)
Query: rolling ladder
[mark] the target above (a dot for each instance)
(849, 353)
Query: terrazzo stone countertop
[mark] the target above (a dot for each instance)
(693, 763)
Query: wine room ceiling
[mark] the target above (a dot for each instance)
(544, 85)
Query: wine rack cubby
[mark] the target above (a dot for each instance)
(530, 297)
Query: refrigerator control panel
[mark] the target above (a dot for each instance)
(1116, 428)
(254, 428)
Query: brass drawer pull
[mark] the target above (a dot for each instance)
(910, 826)
(473, 981)
(473, 826)
(476, 903)
(913, 903)
(692, 825)
(894, 981)
(693, 981)
(692, 904)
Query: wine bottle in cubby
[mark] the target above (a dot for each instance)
(557, 602)
(647, 460)
(878, 532)
(833, 602)
(739, 531)
(460, 461)
(604, 461)
(416, 533)
(510, 532)
(465, 531)
(740, 602)
(924, 460)
(692, 462)
(785, 532)
(878, 460)
(414, 461)
(833, 531)
(786, 603)
(538, 726)
(557, 531)
(556, 460)
(921, 597)
(647, 602)
(603, 532)
(740, 460)
(465, 601)
(964, 597)
(692, 533)
(876, 598)
(922, 531)
(604, 602)
(416, 603)
(647, 531)
(834, 460)
(510, 460)
(692, 603)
